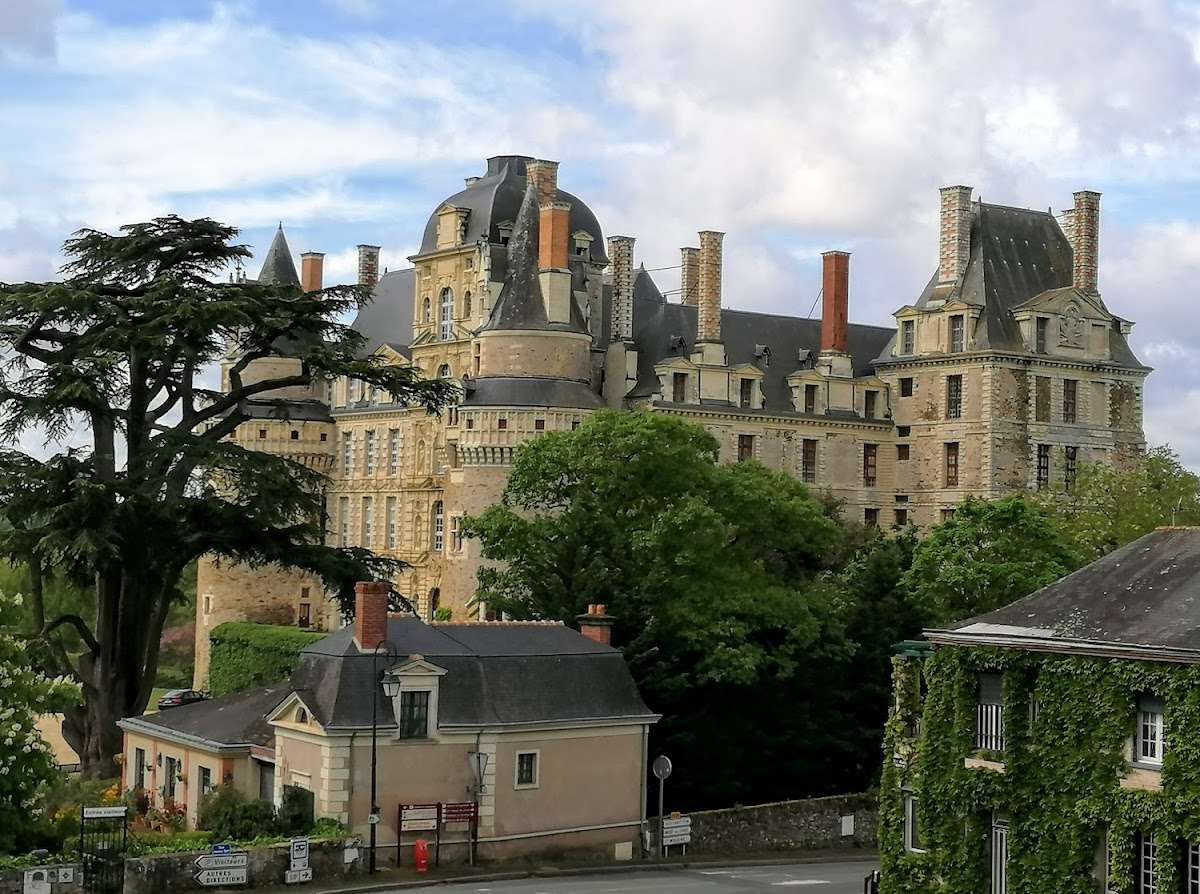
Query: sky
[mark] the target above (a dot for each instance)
(795, 126)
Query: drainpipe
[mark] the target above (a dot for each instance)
(645, 758)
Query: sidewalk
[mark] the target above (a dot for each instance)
(406, 877)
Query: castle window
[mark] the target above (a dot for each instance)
(901, 517)
(869, 401)
(475, 361)
(906, 386)
(343, 521)
(456, 533)
(679, 388)
(324, 437)
(262, 433)
(952, 464)
(1040, 326)
(539, 425)
(948, 514)
(446, 315)
(347, 452)
(207, 604)
(870, 457)
(393, 451)
(908, 336)
(367, 526)
(956, 333)
(1041, 399)
(439, 526)
(425, 311)
(470, 422)
(502, 423)
(902, 452)
(444, 371)
(953, 397)
(903, 431)
(304, 615)
(808, 460)
(295, 435)
(1070, 469)
(1070, 394)
(369, 451)
(745, 448)
(574, 424)
(1043, 466)
(390, 520)
(745, 395)
(467, 303)
(871, 517)
(810, 398)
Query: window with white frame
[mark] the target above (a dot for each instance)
(347, 452)
(527, 769)
(444, 371)
(456, 536)
(1149, 744)
(439, 526)
(343, 521)
(446, 315)
(912, 825)
(999, 857)
(1147, 865)
(989, 714)
(414, 714)
(390, 513)
(393, 451)
(368, 523)
(1192, 882)
(369, 450)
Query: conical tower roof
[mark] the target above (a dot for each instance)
(278, 268)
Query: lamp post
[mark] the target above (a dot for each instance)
(391, 686)
(479, 762)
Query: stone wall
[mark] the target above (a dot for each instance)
(786, 825)
(172, 873)
(43, 879)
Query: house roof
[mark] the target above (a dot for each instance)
(388, 318)
(529, 391)
(237, 720)
(497, 674)
(278, 268)
(1142, 600)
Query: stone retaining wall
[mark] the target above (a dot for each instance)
(816, 823)
(175, 873)
(14, 881)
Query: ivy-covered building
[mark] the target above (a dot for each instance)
(1053, 746)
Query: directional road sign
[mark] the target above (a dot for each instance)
(221, 861)
(292, 876)
(220, 878)
(104, 812)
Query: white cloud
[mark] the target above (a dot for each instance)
(27, 28)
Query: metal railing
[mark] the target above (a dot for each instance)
(989, 727)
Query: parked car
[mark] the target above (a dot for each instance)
(175, 697)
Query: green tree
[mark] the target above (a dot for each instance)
(1111, 505)
(989, 554)
(121, 349)
(712, 572)
(25, 761)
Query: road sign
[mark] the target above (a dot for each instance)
(221, 878)
(373, 819)
(221, 861)
(292, 876)
(662, 766)
(676, 830)
(459, 813)
(677, 824)
(221, 848)
(104, 812)
(299, 864)
(418, 817)
(299, 851)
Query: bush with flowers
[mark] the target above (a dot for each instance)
(26, 763)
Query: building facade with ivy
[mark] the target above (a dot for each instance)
(1053, 746)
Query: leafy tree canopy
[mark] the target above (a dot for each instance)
(120, 349)
(989, 554)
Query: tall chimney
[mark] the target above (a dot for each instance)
(596, 624)
(553, 235)
(689, 277)
(312, 267)
(1085, 244)
(368, 265)
(620, 254)
(544, 176)
(835, 302)
(708, 328)
(370, 613)
(954, 233)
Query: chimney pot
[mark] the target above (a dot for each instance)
(1085, 241)
(835, 301)
(954, 233)
(370, 614)
(312, 270)
(708, 328)
(368, 265)
(620, 254)
(596, 624)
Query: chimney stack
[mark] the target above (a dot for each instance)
(596, 624)
(370, 614)
(954, 233)
(1085, 241)
(620, 254)
(544, 176)
(835, 303)
(368, 265)
(312, 268)
(708, 328)
(553, 235)
(689, 277)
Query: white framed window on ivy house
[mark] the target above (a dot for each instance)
(989, 714)
(912, 824)
(1192, 883)
(1149, 742)
(1146, 877)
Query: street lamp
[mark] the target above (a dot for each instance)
(391, 686)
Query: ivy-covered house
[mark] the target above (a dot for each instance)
(1053, 746)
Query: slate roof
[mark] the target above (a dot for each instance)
(278, 268)
(528, 391)
(233, 720)
(1142, 599)
(496, 674)
(388, 318)
(657, 325)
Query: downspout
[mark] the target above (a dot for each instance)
(645, 758)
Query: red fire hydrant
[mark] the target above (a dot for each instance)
(421, 854)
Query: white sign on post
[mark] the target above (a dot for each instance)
(104, 812)
(292, 876)
(677, 830)
(419, 819)
(299, 850)
(220, 878)
(221, 861)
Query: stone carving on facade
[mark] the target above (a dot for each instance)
(1070, 327)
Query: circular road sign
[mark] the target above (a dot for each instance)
(662, 766)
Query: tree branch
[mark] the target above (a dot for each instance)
(80, 625)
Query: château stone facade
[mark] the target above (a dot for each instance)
(1005, 373)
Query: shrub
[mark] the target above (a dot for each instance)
(295, 815)
(443, 613)
(246, 655)
(231, 816)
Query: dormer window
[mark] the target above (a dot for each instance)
(582, 241)
(908, 337)
(505, 230)
(1040, 326)
(956, 333)
(413, 722)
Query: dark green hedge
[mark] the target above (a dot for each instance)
(246, 655)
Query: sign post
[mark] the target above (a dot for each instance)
(662, 769)
(222, 868)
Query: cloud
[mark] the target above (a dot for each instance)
(27, 28)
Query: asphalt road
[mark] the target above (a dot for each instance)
(825, 878)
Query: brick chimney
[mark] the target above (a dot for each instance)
(835, 302)
(1085, 241)
(708, 328)
(368, 265)
(620, 255)
(554, 220)
(370, 613)
(689, 277)
(544, 176)
(312, 269)
(954, 233)
(596, 624)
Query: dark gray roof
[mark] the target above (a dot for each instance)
(388, 318)
(496, 674)
(506, 391)
(1016, 254)
(1143, 596)
(278, 268)
(658, 325)
(521, 304)
(237, 719)
(496, 198)
(289, 411)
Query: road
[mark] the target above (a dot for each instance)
(826, 878)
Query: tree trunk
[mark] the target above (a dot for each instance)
(92, 731)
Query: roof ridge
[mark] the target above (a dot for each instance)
(497, 624)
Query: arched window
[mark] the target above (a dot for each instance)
(446, 315)
(425, 311)
(444, 371)
(467, 304)
(439, 526)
